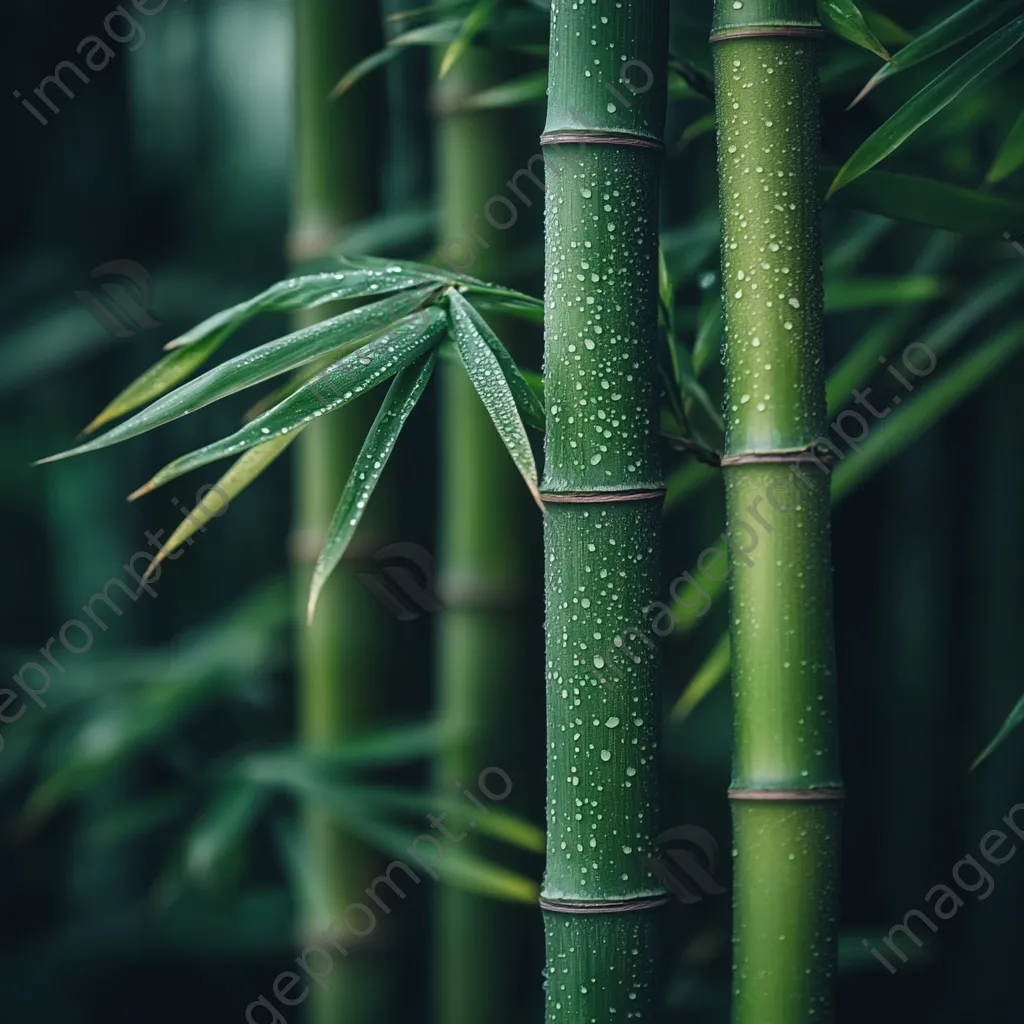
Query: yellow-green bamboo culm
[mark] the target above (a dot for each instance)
(603, 493)
(786, 789)
(339, 654)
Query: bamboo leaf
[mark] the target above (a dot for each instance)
(963, 23)
(478, 17)
(341, 382)
(222, 829)
(229, 486)
(363, 277)
(695, 80)
(532, 312)
(986, 60)
(456, 866)
(702, 126)
(885, 28)
(709, 331)
(355, 806)
(426, 35)
(936, 203)
(175, 367)
(488, 378)
(854, 370)
(866, 292)
(528, 88)
(844, 256)
(916, 415)
(711, 672)
(399, 403)
(1013, 721)
(266, 361)
(1011, 156)
(845, 19)
(498, 824)
(530, 407)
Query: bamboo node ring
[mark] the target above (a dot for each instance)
(601, 139)
(820, 454)
(824, 794)
(605, 906)
(768, 32)
(601, 497)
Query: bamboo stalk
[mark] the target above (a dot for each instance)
(786, 781)
(483, 642)
(335, 176)
(603, 490)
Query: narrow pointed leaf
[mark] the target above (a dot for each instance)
(702, 126)
(175, 367)
(474, 22)
(339, 384)
(359, 812)
(1013, 721)
(263, 362)
(986, 60)
(845, 19)
(222, 829)
(529, 88)
(708, 343)
(427, 35)
(963, 23)
(457, 867)
(916, 415)
(855, 369)
(1011, 156)
(713, 670)
(488, 378)
(909, 197)
(229, 486)
(400, 401)
(844, 295)
(361, 278)
(496, 823)
(530, 407)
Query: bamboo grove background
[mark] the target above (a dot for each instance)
(162, 856)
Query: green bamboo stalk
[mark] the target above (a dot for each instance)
(483, 640)
(786, 781)
(339, 659)
(603, 491)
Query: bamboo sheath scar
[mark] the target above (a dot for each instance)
(602, 489)
(786, 787)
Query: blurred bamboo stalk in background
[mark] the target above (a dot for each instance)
(341, 654)
(485, 561)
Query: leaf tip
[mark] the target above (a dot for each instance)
(144, 489)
